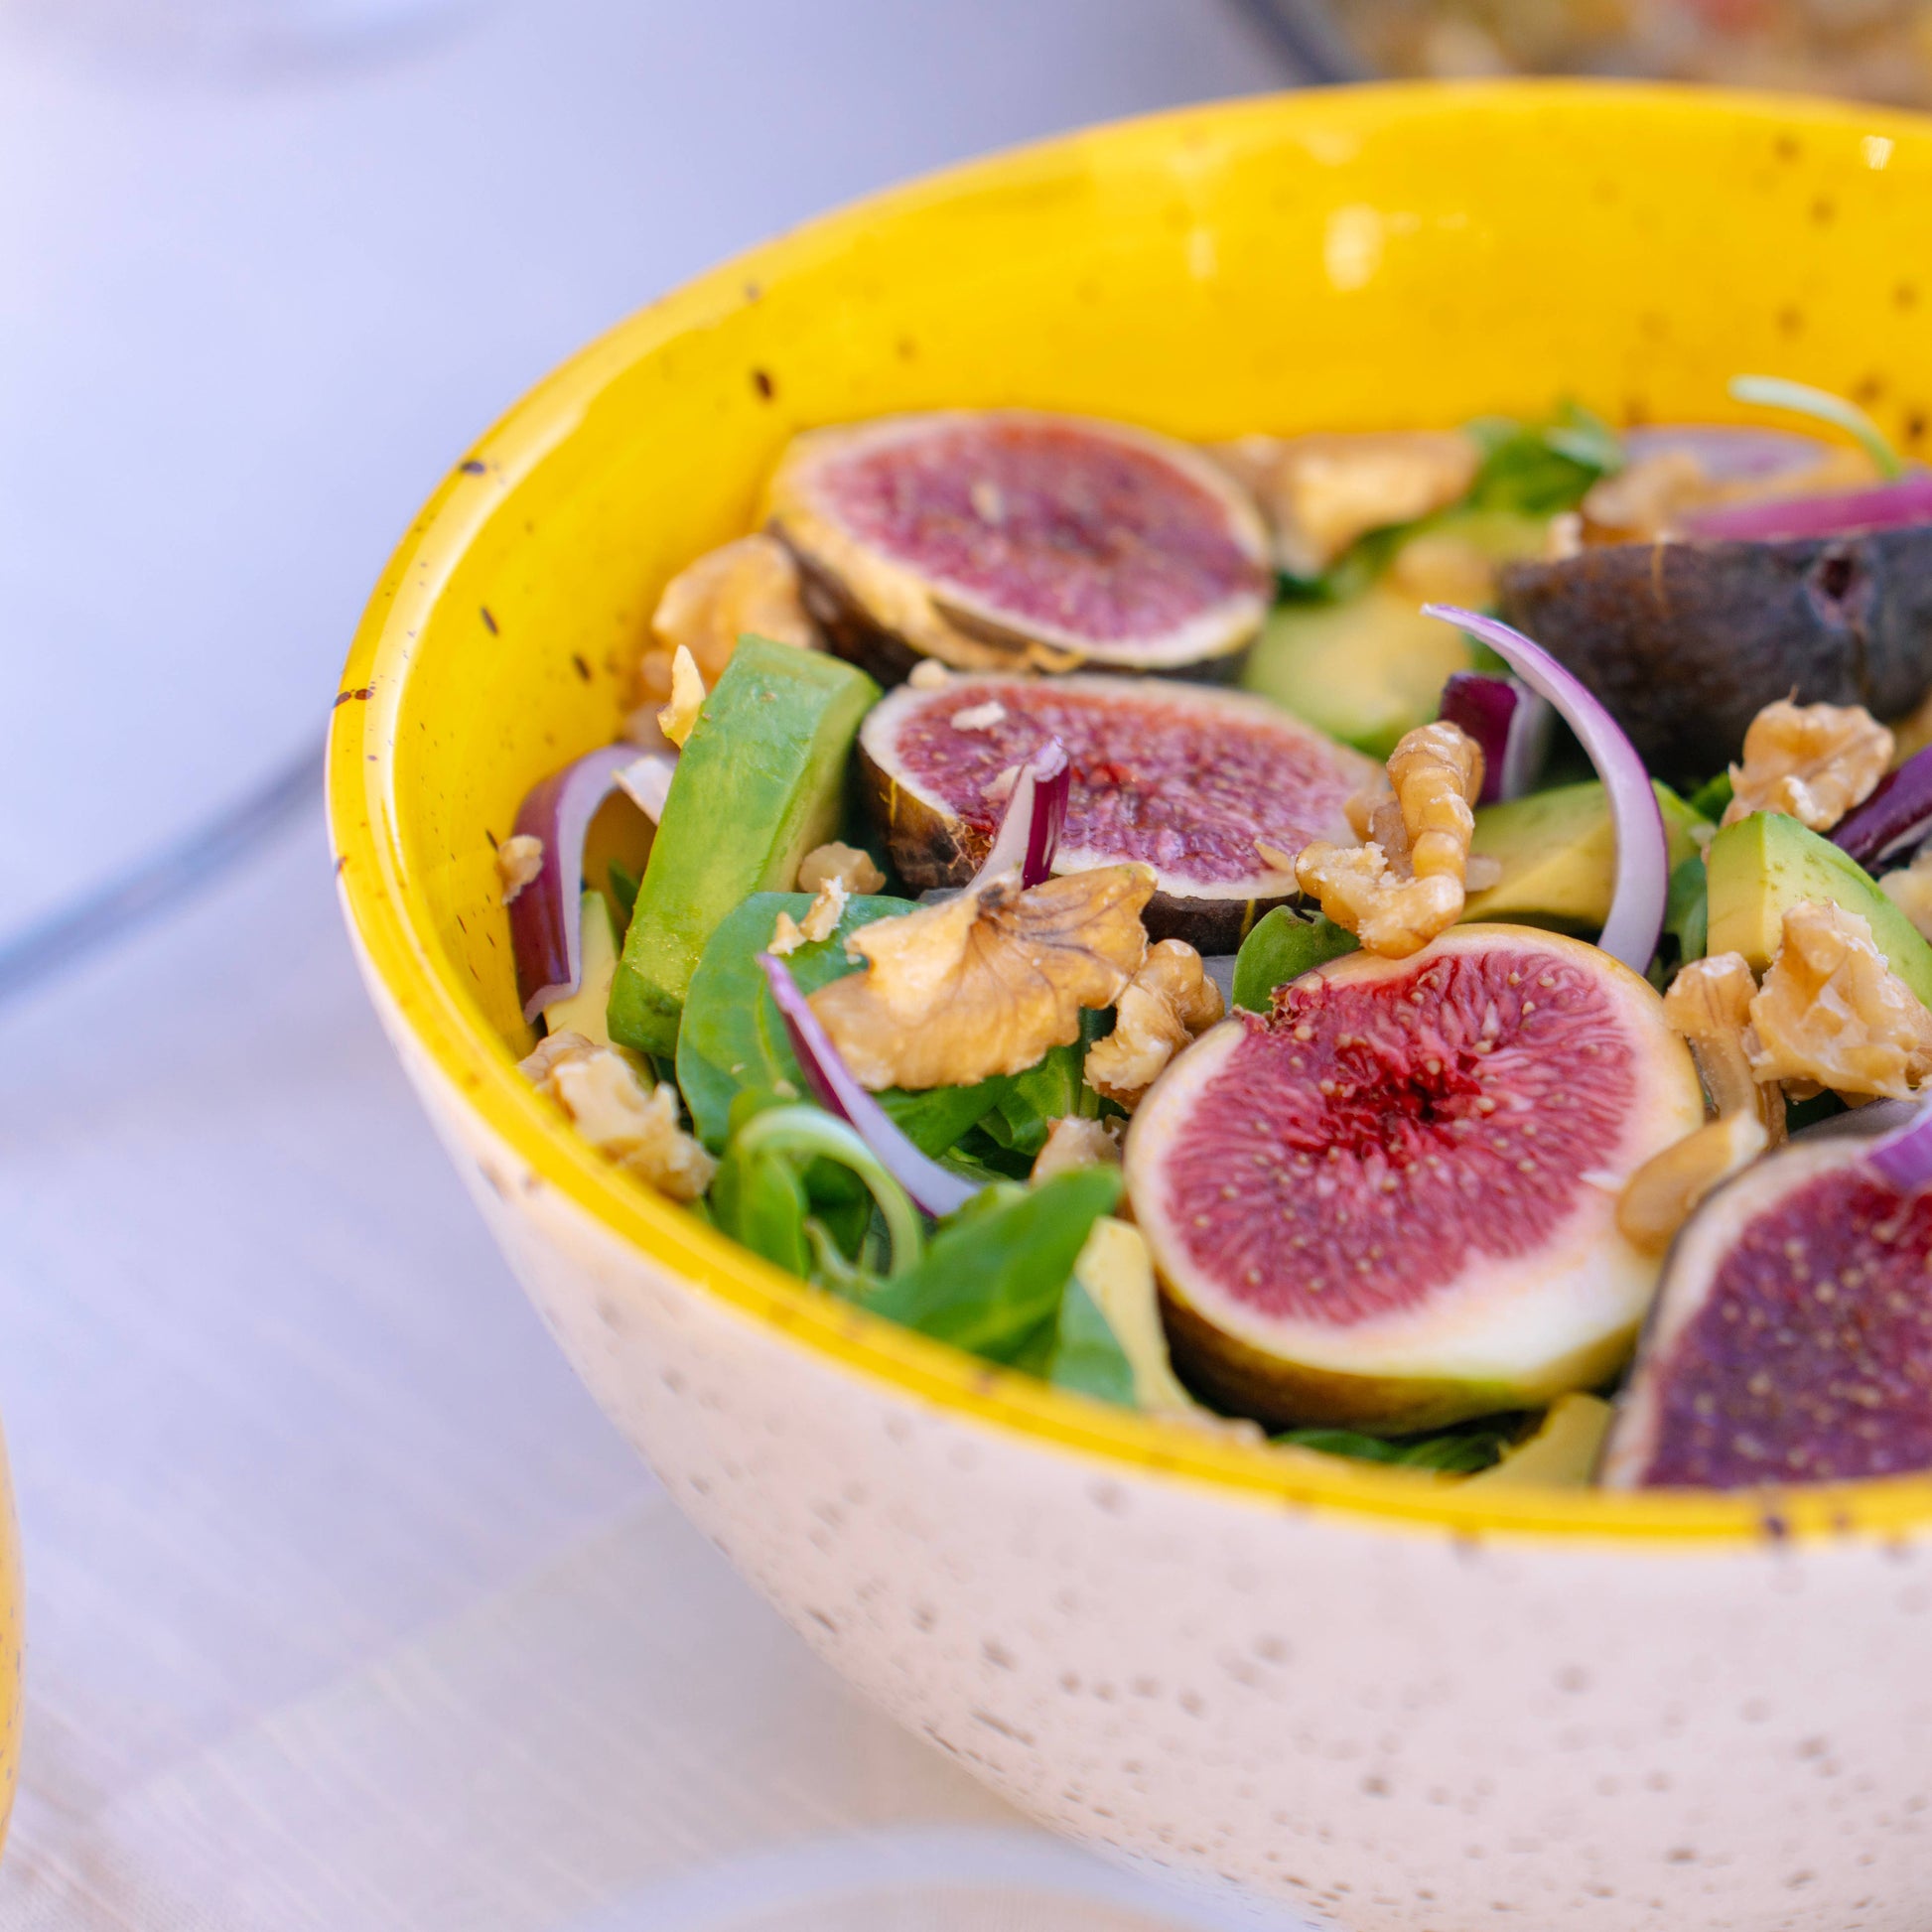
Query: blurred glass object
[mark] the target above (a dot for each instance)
(218, 33)
(1872, 49)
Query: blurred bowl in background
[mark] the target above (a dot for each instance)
(1869, 49)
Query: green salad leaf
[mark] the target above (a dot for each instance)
(1086, 1358)
(1686, 909)
(733, 1036)
(1283, 948)
(1460, 1451)
(994, 1275)
(1540, 468)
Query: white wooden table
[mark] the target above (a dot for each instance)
(346, 1610)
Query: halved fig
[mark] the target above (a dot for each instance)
(1009, 539)
(1180, 778)
(1391, 1203)
(1686, 641)
(1792, 1338)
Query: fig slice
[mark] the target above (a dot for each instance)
(1686, 641)
(1180, 778)
(1012, 539)
(1391, 1203)
(1792, 1337)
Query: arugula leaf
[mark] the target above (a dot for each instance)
(1283, 948)
(624, 888)
(759, 1200)
(1460, 1451)
(1687, 911)
(1086, 1357)
(733, 1036)
(995, 1273)
(1710, 797)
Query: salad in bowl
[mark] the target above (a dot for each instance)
(1105, 907)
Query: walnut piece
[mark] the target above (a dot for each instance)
(980, 717)
(751, 585)
(786, 936)
(1658, 1198)
(984, 983)
(1832, 1010)
(1910, 890)
(851, 867)
(1710, 1004)
(687, 698)
(1813, 761)
(1077, 1142)
(518, 860)
(1169, 1002)
(634, 1126)
(928, 674)
(821, 920)
(1321, 492)
(1405, 885)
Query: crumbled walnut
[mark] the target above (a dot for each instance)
(851, 867)
(984, 982)
(928, 674)
(1405, 885)
(687, 699)
(751, 585)
(1321, 493)
(1910, 890)
(825, 912)
(634, 1126)
(1439, 567)
(1710, 1004)
(980, 717)
(1564, 539)
(1832, 1010)
(1077, 1142)
(1814, 761)
(518, 860)
(786, 936)
(1660, 1195)
(1169, 1002)
(1482, 870)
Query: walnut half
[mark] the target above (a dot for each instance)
(1407, 883)
(1814, 761)
(984, 982)
(1832, 1010)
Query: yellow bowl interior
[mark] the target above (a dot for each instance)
(1369, 258)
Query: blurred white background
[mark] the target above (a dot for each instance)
(346, 1608)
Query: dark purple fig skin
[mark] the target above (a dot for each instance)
(1685, 643)
(1791, 1337)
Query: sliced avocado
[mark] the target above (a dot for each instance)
(760, 782)
(584, 1012)
(1559, 854)
(1365, 670)
(1767, 863)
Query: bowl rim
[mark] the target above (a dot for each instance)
(399, 953)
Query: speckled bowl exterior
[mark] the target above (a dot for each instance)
(1346, 1693)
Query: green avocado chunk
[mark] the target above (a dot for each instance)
(1559, 855)
(1767, 863)
(760, 782)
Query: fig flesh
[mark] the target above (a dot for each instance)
(1686, 641)
(1792, 1337)
(1390, 1205)
(1011, 539)
(1180, 778)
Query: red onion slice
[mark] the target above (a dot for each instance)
(1728, 453)
(1636, 920)
(1895, 819)
(546, 929)
(1905, 1157)
(1030, 832)
(1890, 506)
(1509, 721)
(834, 1088)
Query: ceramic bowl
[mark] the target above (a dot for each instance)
(1369, 1697)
